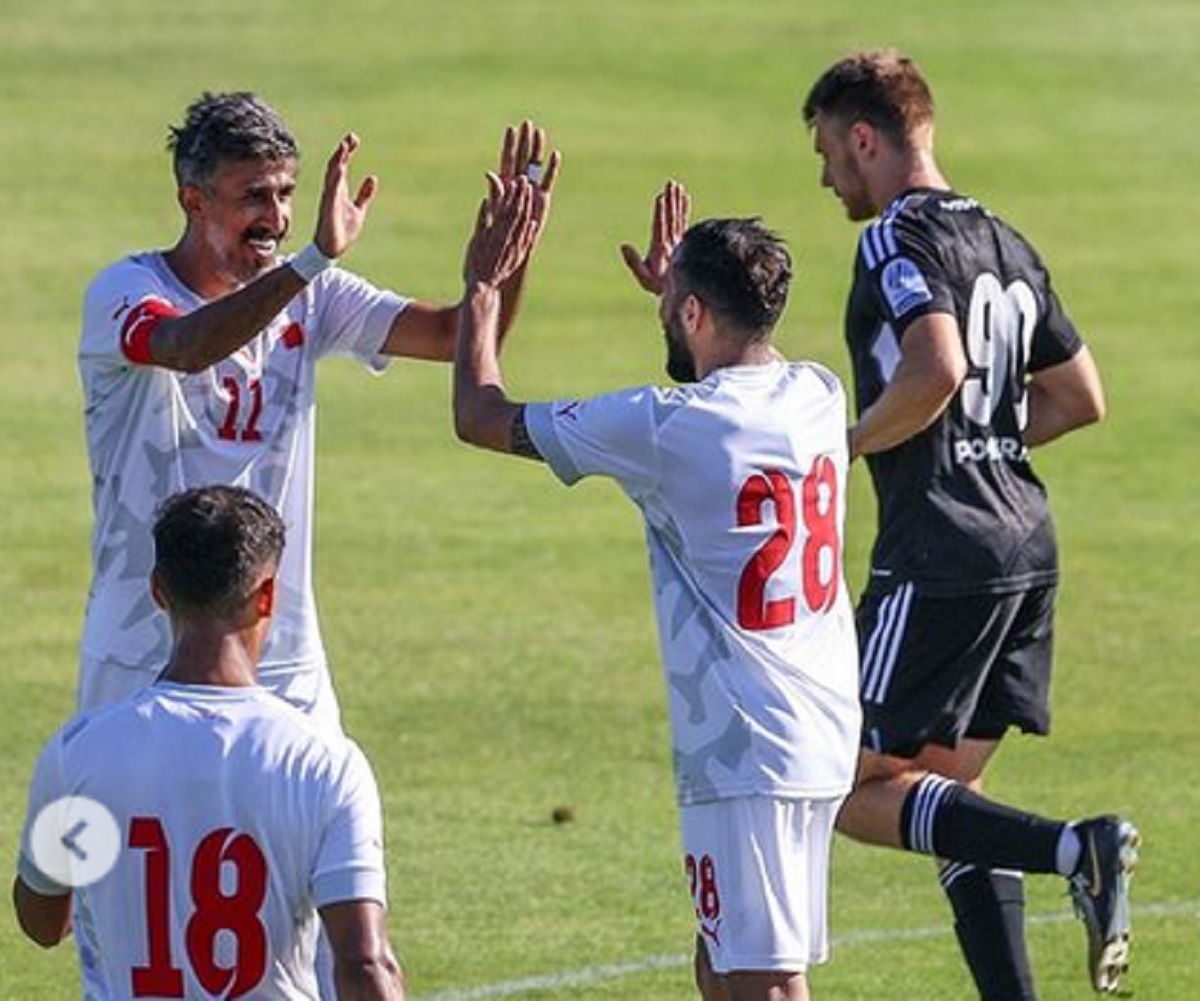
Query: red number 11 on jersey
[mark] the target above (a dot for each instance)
(230, 429)
(820, 560)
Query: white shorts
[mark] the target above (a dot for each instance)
(311, 691)
(758, 872)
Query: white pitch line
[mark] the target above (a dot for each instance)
(567, 978)
(615, 971)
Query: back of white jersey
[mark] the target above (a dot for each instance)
(238, 818)
(247, 421)
(741, 479)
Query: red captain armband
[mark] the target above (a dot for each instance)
(140, 325)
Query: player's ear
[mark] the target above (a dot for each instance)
(693, 309)
(157, 592)
(863, 138)
(190, 199)
(264, 598)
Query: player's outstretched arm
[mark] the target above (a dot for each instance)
(669, 223)
(428, 331)
(505, 232)
(191, 342)
(364, 966)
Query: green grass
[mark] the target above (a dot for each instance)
(490, 632)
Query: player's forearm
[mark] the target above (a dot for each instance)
(901, 412)
(931, 369)
(1051, 417)
(1063, 398)
(482, 412)
(510, 301)
(194, 341)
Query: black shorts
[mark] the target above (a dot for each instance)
(935, 670)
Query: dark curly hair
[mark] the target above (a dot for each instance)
(740, 268)
(213, 545)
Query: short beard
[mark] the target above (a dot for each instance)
(681, 366)
(860, 211)
(857, 203)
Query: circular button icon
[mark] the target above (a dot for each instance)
(75, 841)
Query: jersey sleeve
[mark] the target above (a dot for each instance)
(354, 317)
(121, 309)
(1056, 339)
(614, 435)
(350, 861)
(902, 267)
(44, 788)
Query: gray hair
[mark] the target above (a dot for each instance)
(224, 128)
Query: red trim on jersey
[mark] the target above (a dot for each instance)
(293, 337)
(140, 325)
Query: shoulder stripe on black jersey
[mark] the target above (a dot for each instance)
(878, 242)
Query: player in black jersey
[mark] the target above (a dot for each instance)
(963, 360)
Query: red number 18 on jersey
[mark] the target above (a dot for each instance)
(214, 911)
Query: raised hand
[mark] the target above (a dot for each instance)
(506, 229)
(670, 222)
(524, 154)
(341, 217)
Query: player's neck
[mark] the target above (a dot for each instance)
(214, 656)
(189, 262)
(917, 168)
(727, 353)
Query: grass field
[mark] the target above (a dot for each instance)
(490, 632)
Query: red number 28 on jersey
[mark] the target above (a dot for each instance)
(820, 560)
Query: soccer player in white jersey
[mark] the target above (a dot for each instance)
(242, 822)
(740, 475)
(198, 366)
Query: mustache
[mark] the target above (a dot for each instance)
(264, 233)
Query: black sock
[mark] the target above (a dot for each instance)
(989, 913)
(943, 818)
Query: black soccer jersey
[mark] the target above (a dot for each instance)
(960, 509)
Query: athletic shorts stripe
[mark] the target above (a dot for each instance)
(936, 670)
(879, 658)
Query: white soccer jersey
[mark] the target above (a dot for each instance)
(741, 480)
(246, 421)
(238, 816)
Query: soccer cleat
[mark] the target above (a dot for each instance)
(1100, 892)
